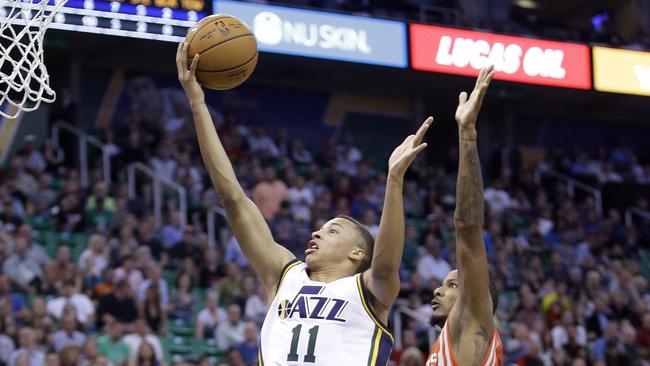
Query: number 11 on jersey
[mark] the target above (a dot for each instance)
(311, 344)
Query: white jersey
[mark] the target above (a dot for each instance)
(316, 323)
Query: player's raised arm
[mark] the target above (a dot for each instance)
(246, 221)
(472, 314)
(382, 279)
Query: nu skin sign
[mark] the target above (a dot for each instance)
(322, 35)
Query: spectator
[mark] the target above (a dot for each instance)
(128, 272)
(163, 163)
(117, 306)
(172, 233)
(431, 265)
(256, 306)
(23, 271)
(299, 154)
(211, 270)
(154, 279)
(29, 351)
(183, 299)
(35, 251)
(300, 198)
(111, 344)
(142, 334)
(7, 346)
(68, 335)
(94, 260)
(62, 268)
(88, 354)
(34, 160)
(261, 144)
(83, 307)
(146, 356)
(43, 197)
(269, 194)
(230, 332)
(347, 156)
(249, 348)
(209, 317)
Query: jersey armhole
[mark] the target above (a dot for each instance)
(292, 263)
(366, 305)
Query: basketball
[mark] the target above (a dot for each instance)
(227, 49)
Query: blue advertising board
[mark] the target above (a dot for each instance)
(322, 35)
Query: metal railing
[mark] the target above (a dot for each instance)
(84, 139)
(397, 324)
(211, 225)
(635, 211)
(572, 184)
(158, 181)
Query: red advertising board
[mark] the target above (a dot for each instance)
(523, 60)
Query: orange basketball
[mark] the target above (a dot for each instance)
(227, 48)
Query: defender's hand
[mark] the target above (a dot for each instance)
(187, 77)
(404, 154)
(467, 110)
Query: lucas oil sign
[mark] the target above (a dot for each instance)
(322, 35)
(524, 60)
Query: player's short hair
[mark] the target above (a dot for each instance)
(367, 243)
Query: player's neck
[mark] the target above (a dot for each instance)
(329, 274)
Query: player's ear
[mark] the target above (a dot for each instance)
(357, 254)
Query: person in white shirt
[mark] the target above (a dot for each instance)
(230, 332)
(94, 259)
(68, 335)
(256, 307)
(163, 162)
(128, 272)
(28, 350)
(301, 198)
(143, 333)
(83, 306)
(210, 316)
(431, 265)
(261, 144)
(497, 198)
(154, 278)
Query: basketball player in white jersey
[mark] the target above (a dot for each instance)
(333, 308)
(465, 303)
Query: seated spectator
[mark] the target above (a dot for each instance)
(154, 273)
(16, 300)
(146, 356)
(261, 144)
(209, 317)
(142, 334)
(88, 354)
(249, 348)
(412, 356)
(187, 247)
(128, 272)
(117, 306)
(300, 198)
(62, 268)
(7, 345)
(230, 332)
(100, 192)
(52, 358)
(431, 264)
(172, 233)
(69, 355)
(347, 157)
(94, 260)
(299, 154)
(228, 287)
(152, 310)
(68, 335)
(183, 299)
(256, 305)
(111, 345)
(29, 351)
(23, 271)
(163, 162)
(82, 305)
(269, 194)
(211, 270)
(35, 251)
(41, 200)
(34, 160)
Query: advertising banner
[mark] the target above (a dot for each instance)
(621, 71)
(322, 35)
(524, 60)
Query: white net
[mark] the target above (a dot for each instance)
(24, 81)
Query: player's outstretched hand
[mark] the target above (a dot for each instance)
(404, 154)
(467, 110)
(187, 77)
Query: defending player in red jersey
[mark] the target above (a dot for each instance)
(464, 305)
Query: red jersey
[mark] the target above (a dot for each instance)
(441, 354)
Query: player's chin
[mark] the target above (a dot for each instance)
(438, 317)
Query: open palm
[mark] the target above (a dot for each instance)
(467, 110)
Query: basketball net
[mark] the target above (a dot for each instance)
(24, 81)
